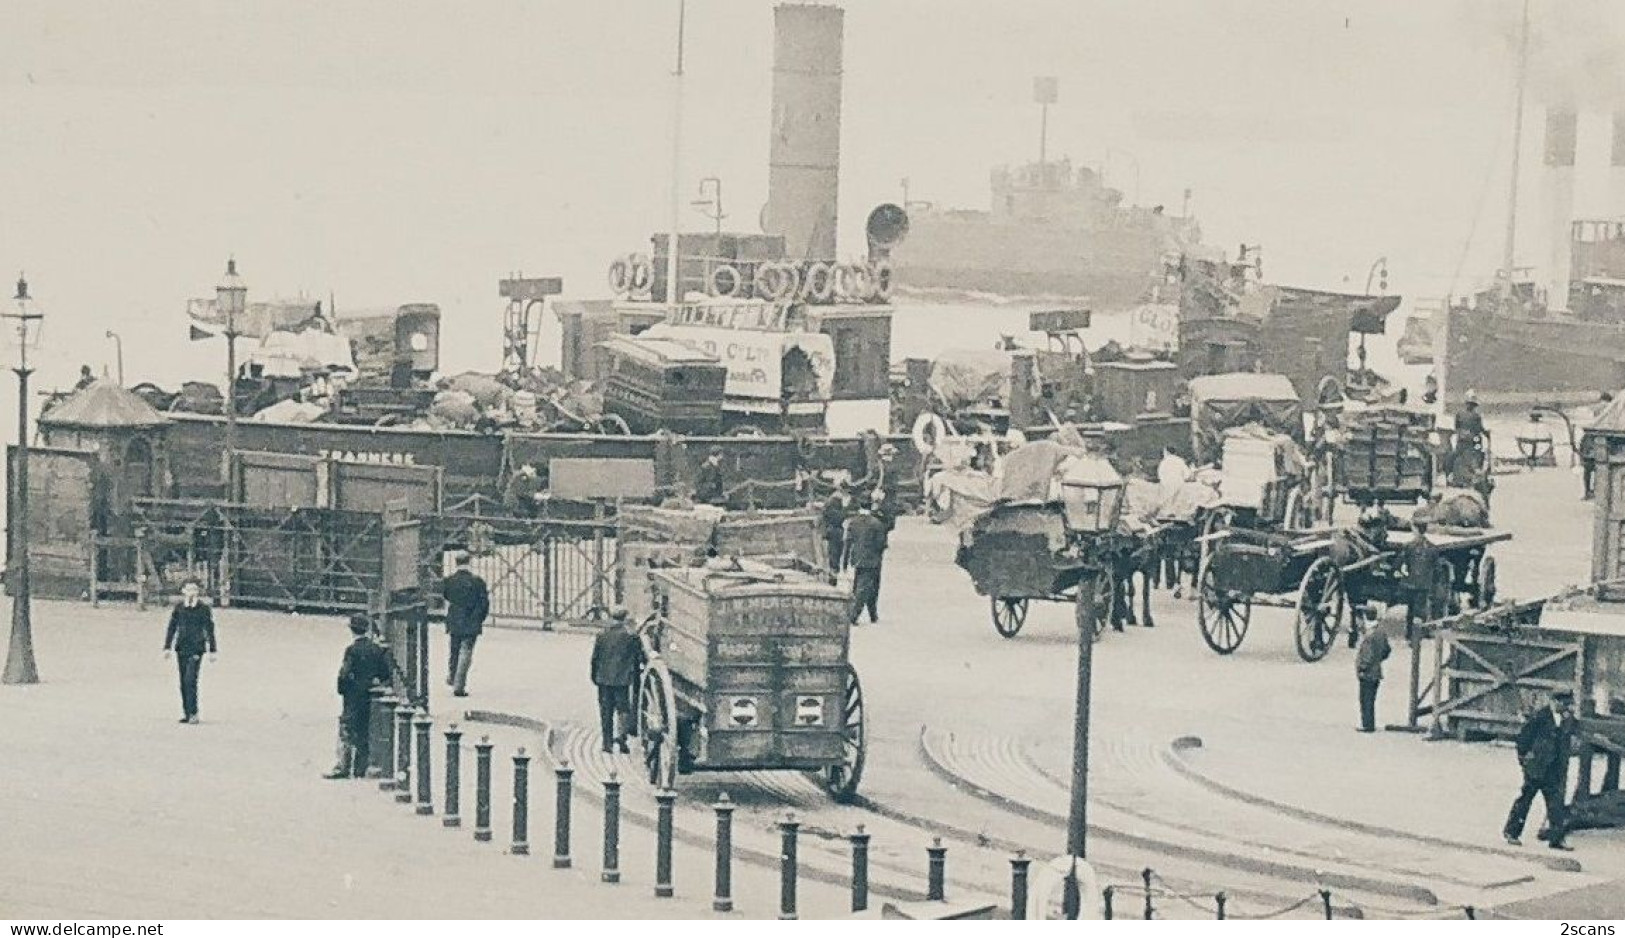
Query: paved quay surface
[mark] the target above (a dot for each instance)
(970, 738)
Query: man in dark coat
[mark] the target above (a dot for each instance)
(524, 489)
(1422, 587)
(865, 550)
(189, 636)
(1374, 649)
(1543, 752)
(467, 604)
(366, 665)
(708, 484)
(832, 522)
(615, 657)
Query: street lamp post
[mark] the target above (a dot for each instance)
(230, 299)
(20, 666)
(118, 346)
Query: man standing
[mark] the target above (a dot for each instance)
(832, 522)
(708, 487)
(1467, 458)
(190, 635)
(865, 549)
(1421, 575)
(524, 490)
(615, 656)
(1543, 752)
(1373, 651)
(366, 665)
(467, 604)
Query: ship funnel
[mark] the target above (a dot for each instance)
(805, 145)
(1562, 134)
(887, 227)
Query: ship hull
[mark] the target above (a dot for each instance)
(1510, 360)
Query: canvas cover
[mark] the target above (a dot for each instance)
(1222, 402)
(1031, 472)
(970, 377)
(958, 496)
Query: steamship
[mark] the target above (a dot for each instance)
(1556, 333)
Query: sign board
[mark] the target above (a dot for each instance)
(1046, 89)
(755, 359)
(1058, 320)
(601, 478)
(531, 288)
(1155, 326)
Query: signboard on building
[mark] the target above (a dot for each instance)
(755, 359)
(601, 478)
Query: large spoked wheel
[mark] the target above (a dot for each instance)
(841, 779)
(1105, 598)
(657, 724)
(1321, 606)
(1219, 519)
(1486, 582)
(1222, 615)
(1009, 615)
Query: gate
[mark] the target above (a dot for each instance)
(540, 572)
(1489, 680)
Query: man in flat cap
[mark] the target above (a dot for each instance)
(1543, 753)
(616, 653)
(366, 665)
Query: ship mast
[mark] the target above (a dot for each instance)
(1507, 260)
(673, 288)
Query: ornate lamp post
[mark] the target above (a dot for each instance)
(20, 667)
(1092, 499)
(231, 296)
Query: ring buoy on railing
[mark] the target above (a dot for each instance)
(724, 280)
(882, 281)
(862, 283)
(928, 433)
(620, 276)
(820, 283)
(642, 273)
(771, 278)
(792, 281)
(845, 283)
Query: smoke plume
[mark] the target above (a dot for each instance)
(1576, 48)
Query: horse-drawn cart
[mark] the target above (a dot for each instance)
(746, 669)
(1323, 575)
(1019, 553)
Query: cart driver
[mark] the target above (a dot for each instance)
(1421, 568)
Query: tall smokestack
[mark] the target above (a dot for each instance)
(1616, 169)
(805, 149)
(1562, 133)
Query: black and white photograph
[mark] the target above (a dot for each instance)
(718, 461)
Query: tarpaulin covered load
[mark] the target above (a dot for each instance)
(1031, 472)
(289, 354)
(1220, 402)
(970, 377)
(957, 496)
(1012, 551)
(1253, 459)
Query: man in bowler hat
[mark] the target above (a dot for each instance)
(366, 665)
(468, 602)
(615, 656)
(189, 636)
(1543, 754)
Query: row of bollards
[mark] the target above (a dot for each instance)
(400, 758)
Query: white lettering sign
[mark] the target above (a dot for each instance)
(380, 459)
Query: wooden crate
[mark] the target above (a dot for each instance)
(769, 533)
(682, 526)
(635, 560)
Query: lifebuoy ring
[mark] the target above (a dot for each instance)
(846, 280)
(882, 281)
(862, 283)
(725, 275)
(792, 281)
(820, 283)
(770, 280)
(929, 431)
(642, 273)
(620, 276)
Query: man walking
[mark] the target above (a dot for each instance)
(1543, 753)
(615, 656)
(865, 549)
(467, 604)
(366, 665)
(832, 522)
(1373, 651)
(189, 636)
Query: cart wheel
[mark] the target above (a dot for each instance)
(1217, 520)
(1486, 582)
(841, 779)
(657, 724)
(1222, 615)
(1008, 615)
(1321, 604)
(1105, 598)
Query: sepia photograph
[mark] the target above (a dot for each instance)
(716, 461)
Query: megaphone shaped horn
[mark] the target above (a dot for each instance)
(887, 227)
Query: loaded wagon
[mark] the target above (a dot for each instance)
(1019, 553)
(746, 668)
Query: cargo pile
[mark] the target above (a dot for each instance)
(1387, 453)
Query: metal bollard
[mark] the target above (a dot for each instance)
(787, 866)
(1071, 893)
(381, 737)
(403, 752)
(1019, 866)
(1106, 900)
(664, 801)
(521, 804)
(612, 830)
(1219, 899)
(860, 869)
(1326, 902)
(561, 815)
(425, 795)
(936, 871)
(1472, 913)
(1145, 877)
(454, 780)
(723, 901)
(482, 789)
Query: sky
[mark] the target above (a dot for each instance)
(406, 151)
